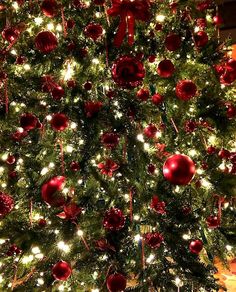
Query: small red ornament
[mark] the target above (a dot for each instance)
(13, 250)
(88, 85)
(201, 22)
(165, 69)
(71, 83)
(70, 212)
(211, 149)
(218, 20)
(91, 108)
(179, 169)
(57, 92)
(173, 42)
(10, 34)
(93, 31)
(190, 126)
(46, 42)
(231, 111)
(143, 94)
(186, 89)
(150, 131)
(151, 168)
(201, 39)
(49, 8)
(157, 99)
(108, 167)
(158, 26)
(128, 72)
(6, 204)
(70, 23)
(51, 191)
(10, 159)
(224, 154)
(196, 246)
(158, 206)
(74, 166)
(61, 271)
(153, 239)
(59, 122)
(114, 220)
(12, 174)
(110, 140)
(116, 282)
(19, 135)
(42, 222)
(152, 58)
(213, 221)
(228, 77)
(29, 121)
(20, 60)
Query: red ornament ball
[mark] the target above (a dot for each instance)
(196, 246)
(185, 89)
(152, 58)
(165, 69)
(13, 250)
(153, 239)
(201, 39)
(6, 204)
(116, 282)
(10, 34)
(201, 22)
(29, 121)
(173, 42)
(46, 42)
(128, 72)
(59, 122)
(179, 169)
(158, 26)
(231, 112)
(114, 220)
(151, 168)
(93, 31)
(57, 92)
(110, 140)
(88, 85)
(61, 271)
(49, 8)
(91, 108)
(70, 23)
(218, 20)
(11, 159)
(143, 94)
(157, 99)
(42, 222)
(150, 131)
(74, 166)
(211, 149)
(213, 221)
(224, 154)
(50, 191)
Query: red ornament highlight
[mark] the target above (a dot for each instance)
(50, 191)
(196, 246)
(116, 282)
(165, 69)
(61, 271)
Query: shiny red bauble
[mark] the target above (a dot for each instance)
(157, 99)
(201, 39)
(143, 94)
(150, 131)
(50, 191)
(173, 42)
(213, 221)
(74, 166)
(153, 239)
(224, 153)
(114, 220)
(50, 8)
(10, 159)
(231, 111)
(165, 69)
(59, 122)
(151, 168)
(88, 85)
(93, 31)
(10, 34)
(179, 169)
(186, 89)
(46, 42)
(57, 92)
(61, 271)
(218, 20)
(29, 121)
(116, 282)
(211, 149)
(196, 246)
(6, 204)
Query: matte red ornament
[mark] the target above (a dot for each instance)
(158, 26)
(6, 204)
(93, 31)
(29, 121)
(143, 94)
(153, 239)
(173, 42)
(179, 169)
(10, 34)
(201, 39)
(218, 20)
(70, 23)
(150, 131)
(18, 135)
(186, 89)
(114, 220)
(91, 108)
(50, 8)
(46, 42)
(165, 69)
(128, 72)
(213, 221)
(196, 246)
(116, 282)
(59, 122)
(61, 271)
(110, 140)
(11, 159)
(74, 166)
(57, 92)
(157, 99)
(51, 191)
(190, 126)
(12, 174)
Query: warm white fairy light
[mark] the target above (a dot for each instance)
(200, 171)
(160, 18)
(48, 117)
(69, 72)
(95, 61)
(51, 165)
(186, 236)
(40, 281)
(229, 247)
(192, 152)
(38, 20)
(140, 137)
(44, 171)
(63, 246)
(50, 26)
(95, 290)
(178, 282)
(73, 125)
(137, 237)
(59, 27)
(136, 217)
(146, 146)
(39, 256)
(61, 287)
(26, 67)
(65, 191)
(69, 148)
(27, 259)
(80, 181)
(80, 232)
(35, 250)
(212, 139)
(15, 5)
(2, 241)
(150, 258)
(205, 183)
(95, 275)
(1, 279)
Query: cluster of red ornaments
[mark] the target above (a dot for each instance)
(227, 71)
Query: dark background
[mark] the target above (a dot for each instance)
(228, 11)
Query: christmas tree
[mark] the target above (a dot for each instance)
(118, 154)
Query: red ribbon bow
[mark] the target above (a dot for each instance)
(129, 11)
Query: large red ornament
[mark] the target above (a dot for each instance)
(51, 191)
(179, 169)
(185, 89)
(213, 221)
(157, 99)
(46, 42)
(93, 31)
(116, 282)
(195, 246)
(110, 140)
(218, 20)
(128, 72)
(6, 204)
(61, 271)
(129, 11)
(49, 8)
(150, 131)
(173, 42)
(201, 38)
(153, 239)
(59, 122)
(114, 220)
(10, 34)
(143, 94)
(29, 122)
(57, 92)
(165, 69)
